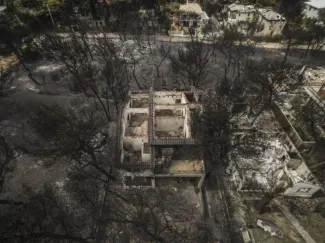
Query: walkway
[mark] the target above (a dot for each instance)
(304, 234)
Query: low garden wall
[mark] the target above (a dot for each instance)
(290, 130)
(176, 33)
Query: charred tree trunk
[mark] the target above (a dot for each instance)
(287, 51)
(260, 205)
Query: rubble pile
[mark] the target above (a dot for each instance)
(315, 76)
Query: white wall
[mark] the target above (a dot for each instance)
(296, 190)
(239, 16)
(125, 121)
(166, 99)
(310, 11)
(168, 123)
(186, 125)
(145, 157)
(271, 27)
(138, 110)
(123, 125)
(184, 99)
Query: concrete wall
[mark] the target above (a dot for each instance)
(122, 128)
(167, 93)
(176, 33)
(195, 93)
(239, 16)
(129, 142)
(145, 157)
(186, 125)
(167, 99)
(168, 123)
(139, 94)
(138, 110)
(289, 129)
(303, 171)
(184, 99)
(170, 107)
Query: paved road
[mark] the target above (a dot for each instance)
(263, 50)
(294, 56)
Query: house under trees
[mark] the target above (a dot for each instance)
(190, 19)
(267, 21)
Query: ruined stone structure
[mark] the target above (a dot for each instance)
(155, 137)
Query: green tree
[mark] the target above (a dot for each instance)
(321, 14)
(260, 3)
(293, 12)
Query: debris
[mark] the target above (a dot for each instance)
(246, 236)
(168, 217)
(269, 227)
(315, 76)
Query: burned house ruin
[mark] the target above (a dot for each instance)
(155, 138)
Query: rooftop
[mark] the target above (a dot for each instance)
(191, 8)
(316, 3)
(269, 14)
(241, 7)
(204, 16)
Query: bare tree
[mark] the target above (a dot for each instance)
(313, 35)
(6, 156)
(152, 213)
(158, 57)
(95, 66)
(74, 134)
(249, 154)
(192, 62)
(263, 80)
(115, 81)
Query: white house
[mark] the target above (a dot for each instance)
(312, 8)
(269, 22)
(239, 12)
(191, 17)
(3, 5)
